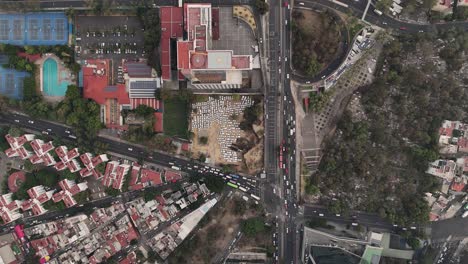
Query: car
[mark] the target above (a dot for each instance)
(16, 120)
(308, 82)
(45, 132)
(67, 131)
(285, 58)
(354, 224)
(31, 122)
(279, 59)
(301, 3)
(130, 149)
(49, 129)
(403, 28)
(384, 23)
(320, 214)
(338, 215)
(421, 31)
(279, 70)
(287, 76)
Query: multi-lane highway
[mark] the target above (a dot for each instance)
(130, 150)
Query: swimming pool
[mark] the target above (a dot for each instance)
(50, 81)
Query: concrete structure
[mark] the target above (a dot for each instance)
(196, 61)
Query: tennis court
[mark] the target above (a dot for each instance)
(11, 81)
(46, 28)
(51, 84)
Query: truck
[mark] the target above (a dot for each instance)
(378, 12)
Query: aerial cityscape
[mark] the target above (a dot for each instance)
(234, 131)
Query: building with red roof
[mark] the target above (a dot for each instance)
(9, 208)
(69, 189)
(150, 177)
(29, 57)
(139, 88)
(38, 195)
(67, 159)
(115, 174)
(42, 154)
(90, 164)
(16, 146)
(172, 21)
(459, 183)
(196, 61)
(172, 176)
(15, 180)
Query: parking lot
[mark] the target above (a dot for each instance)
(108, 37)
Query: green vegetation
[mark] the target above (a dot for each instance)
(111, 191)
(203, 140)
(261, 6)
(150, 194)
(46, 177)
(3, 142)
(318, 100)
(149, 18)
(240, 207)
(214, 183)
(82, 114)
(176, 114)
(383, 5)
(314, 47)
(378, 164)
(318, 222)
(140, 132)
(253, 226)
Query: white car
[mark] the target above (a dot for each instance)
(31, 122)
(16, 120)
(301, 3)
(130, 149)
(320, 214)
(45, 132)
(67, 131)
(287, 76)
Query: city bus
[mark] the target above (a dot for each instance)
(232, 185)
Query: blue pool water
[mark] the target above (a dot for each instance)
(51, 84)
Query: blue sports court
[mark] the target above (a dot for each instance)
(11, 81)
(34, 29)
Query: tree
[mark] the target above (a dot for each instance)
(203, 140)
(152, 257)
(261, 6)
(253, 226)
(239, 207)
(150, 194)
(313, 67)
(28, 166)
(134, 242)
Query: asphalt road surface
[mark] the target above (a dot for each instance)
(130, 150)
